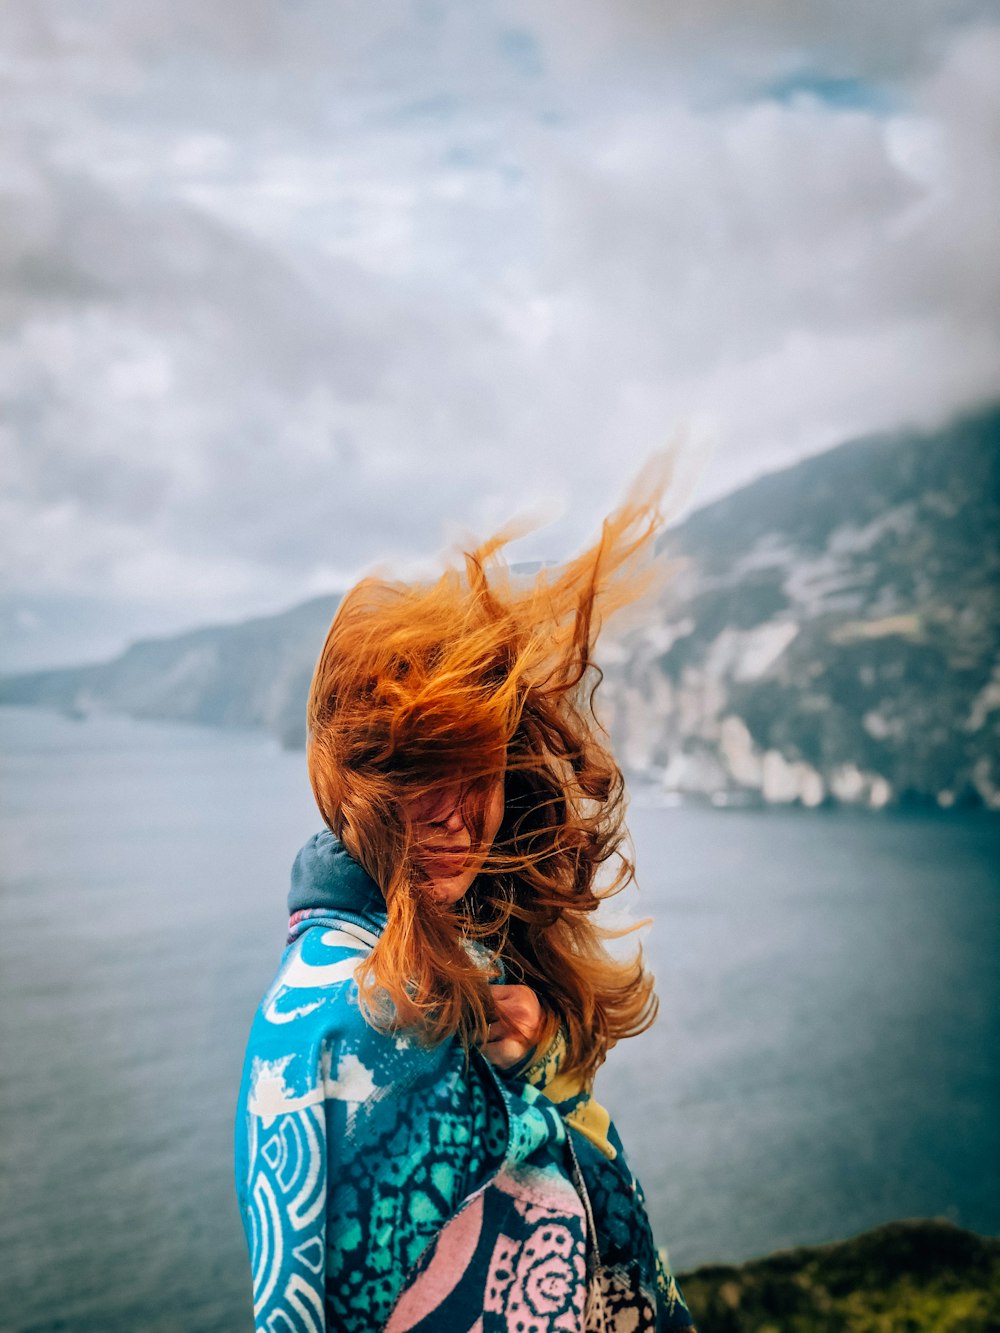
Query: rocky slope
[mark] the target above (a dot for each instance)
(833, 635)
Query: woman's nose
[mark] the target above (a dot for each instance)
(456, 819)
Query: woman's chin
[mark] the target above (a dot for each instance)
(450, 890)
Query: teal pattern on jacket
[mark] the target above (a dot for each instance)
(387, 1185)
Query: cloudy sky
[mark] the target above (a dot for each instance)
(288, 287)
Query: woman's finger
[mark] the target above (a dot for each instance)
(505, 1052)
(519, 1011)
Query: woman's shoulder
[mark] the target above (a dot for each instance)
(316, 973)
(311, 1038)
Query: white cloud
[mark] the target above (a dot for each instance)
(787, 267)
(724, 43)
(284, 290)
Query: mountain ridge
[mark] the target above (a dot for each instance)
(832, 634)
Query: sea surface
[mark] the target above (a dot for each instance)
(825, 1059)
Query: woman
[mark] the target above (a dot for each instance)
(418, 1146)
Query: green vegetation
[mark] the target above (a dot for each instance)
(906, 1277)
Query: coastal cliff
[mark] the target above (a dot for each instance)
(832, 635)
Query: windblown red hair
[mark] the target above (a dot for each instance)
(480, 673)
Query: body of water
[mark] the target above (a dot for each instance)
(825, 1059)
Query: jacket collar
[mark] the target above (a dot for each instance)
(327, 879)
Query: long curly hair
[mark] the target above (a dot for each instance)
(479, 673)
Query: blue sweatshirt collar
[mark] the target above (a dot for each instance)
(326, 878)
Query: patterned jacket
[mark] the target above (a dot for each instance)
(389, 1186)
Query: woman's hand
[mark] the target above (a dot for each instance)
(518, 1026)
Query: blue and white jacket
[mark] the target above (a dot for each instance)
(387, 1186)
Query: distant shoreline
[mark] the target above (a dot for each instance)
(642, 794)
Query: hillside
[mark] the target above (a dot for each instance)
(834, 634)
(925, 1277)
(252, 674)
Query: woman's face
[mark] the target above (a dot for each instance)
(444, 828)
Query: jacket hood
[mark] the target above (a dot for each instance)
(326, 878)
